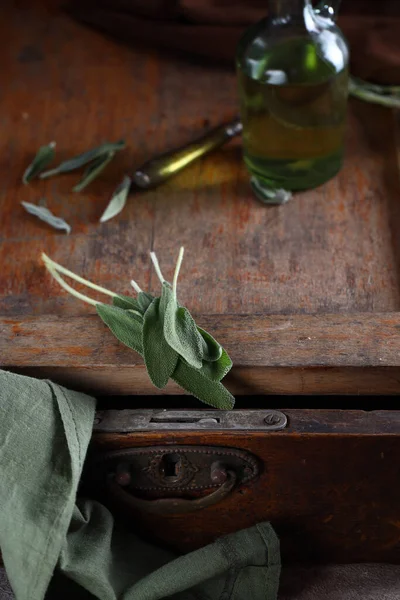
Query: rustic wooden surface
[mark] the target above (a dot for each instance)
(329, 486)
(272, 354)
(274, 274)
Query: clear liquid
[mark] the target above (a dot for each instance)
(293, 109)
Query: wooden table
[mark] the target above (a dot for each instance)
(305, 297)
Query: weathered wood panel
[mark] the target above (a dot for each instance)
(334, 250)
(277, 354)
(329, 486)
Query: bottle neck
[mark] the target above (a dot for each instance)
(281, 9)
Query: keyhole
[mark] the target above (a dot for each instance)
(170, 466)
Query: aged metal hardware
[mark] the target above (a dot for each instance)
(123, 421)
(160, 478)
(171, 506)
(167, 468)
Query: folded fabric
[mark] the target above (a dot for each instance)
(212, 28)
(57, 546)
(330, 582)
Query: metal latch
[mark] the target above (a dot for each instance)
(125, 421)
(159, 479)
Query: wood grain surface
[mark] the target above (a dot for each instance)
(270, 277)
(328, 485)
(276, 354)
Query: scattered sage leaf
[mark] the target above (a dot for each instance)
(180, 330)
(118, 200)
(123, 325)
(144, 300)
(159, 357)
(126, 302)
(373, 93)
(93, 170)
(385, 90)
(208, 391)
(43, 157)
(85, 158)
(212, 349)
(217, 370)
(271, 196)
(43, 213)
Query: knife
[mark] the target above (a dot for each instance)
(161, 168)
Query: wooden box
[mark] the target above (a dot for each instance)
(328, 480)
(305, 297)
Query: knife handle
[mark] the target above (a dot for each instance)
(159, 169)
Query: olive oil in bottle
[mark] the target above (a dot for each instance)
(293, 87)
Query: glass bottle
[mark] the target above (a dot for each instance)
(293, 87)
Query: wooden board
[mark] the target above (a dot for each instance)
(299, 292)
(328, 484)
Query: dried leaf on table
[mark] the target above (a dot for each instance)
(85, 158)
(385, 95)
(118, 200)
(93, 170)
(43, 213)
(43, 158)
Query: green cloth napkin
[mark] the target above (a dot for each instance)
(56, 546)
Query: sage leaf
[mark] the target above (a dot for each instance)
(144, 300)
(385, 90)
(118, 200)
(85, 158)
(388, 96)
(272, 196)
(123, 325)
(166, 293)
(93, 170)
(136, 315)
(44, 156)
(180, 330)
(217, 370)
(208, 391)
(212, 349)
(43, 213)
(159, 357)
(126, 302)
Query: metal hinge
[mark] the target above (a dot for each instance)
(125, 421)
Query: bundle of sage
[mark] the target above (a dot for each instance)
(163, 332)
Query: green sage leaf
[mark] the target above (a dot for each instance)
(384, 95)
(217, 370)
(180, 330)
(93, 170)
(44, 156)
(126, 302)
(85, 158)
(272, 195)
(208, 391)
(118, 200)
(384, 90)
(159, 357)
(144, 300)
(212, 349)
(123, 324)
(43, 213)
